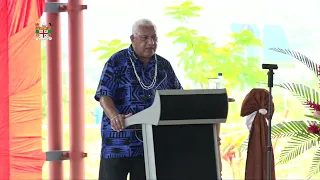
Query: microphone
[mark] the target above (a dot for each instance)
(269, 66)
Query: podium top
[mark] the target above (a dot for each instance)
(176, 107)
(191, 92)
(194, 92)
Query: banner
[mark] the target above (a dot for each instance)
(21, 155)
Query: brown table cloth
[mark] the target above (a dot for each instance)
(256, 164)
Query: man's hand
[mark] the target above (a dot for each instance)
(117, 123)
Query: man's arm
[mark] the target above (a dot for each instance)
(106, 92)
(108, 107)
(107, 88)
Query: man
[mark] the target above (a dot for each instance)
(127, 86)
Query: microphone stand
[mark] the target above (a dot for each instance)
(270, 67)
(269, 146)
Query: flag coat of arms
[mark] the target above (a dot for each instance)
(43, 32)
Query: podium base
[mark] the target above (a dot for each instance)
(186, 152)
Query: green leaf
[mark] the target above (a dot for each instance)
(114, 42)
(301, 57)
(182, 40)
(202, 59)
(305, 92)
(109, 48)
(244, 145)
(315, 165)
(290, 129)
(283, 130)
(105, 56)
(312, 117)
(297, 146)
(99, 48)
(186, 4)
(246, 38)
(184, 11)
(183, 31)
(104, 42)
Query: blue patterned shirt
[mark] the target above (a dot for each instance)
(119, 82)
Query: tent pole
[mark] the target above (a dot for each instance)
(54, 89)
(76, 89)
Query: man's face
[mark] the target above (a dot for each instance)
(145, 41)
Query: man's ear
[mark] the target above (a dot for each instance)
(131, 38)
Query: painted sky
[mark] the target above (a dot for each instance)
(286, 23)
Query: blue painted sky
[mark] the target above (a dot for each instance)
(273, 36)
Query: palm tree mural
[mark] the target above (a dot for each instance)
(201, 57)
(303, 134)
(107, 48)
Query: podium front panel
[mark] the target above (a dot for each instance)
(194, 107)
(185, 152)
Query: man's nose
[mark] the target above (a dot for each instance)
(151, 41)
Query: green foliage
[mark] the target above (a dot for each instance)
(108, 48)
(244, 39)
(297, 145)
(300, 140)
(290, 129)
(201, 58)
(196, 55)
(244, 145)
(315, 165)
(183, 11)
(284, 130)
(235, 63)
(303, 92)
(300, 57)
(312, 117)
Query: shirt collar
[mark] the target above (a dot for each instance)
(135, 57)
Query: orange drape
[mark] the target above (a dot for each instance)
(21, 154)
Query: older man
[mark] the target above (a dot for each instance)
(127, 86)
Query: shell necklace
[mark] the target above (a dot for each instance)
(145, 87)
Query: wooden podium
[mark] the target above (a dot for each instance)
(180, 135)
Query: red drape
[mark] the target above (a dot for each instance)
(21, 154)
